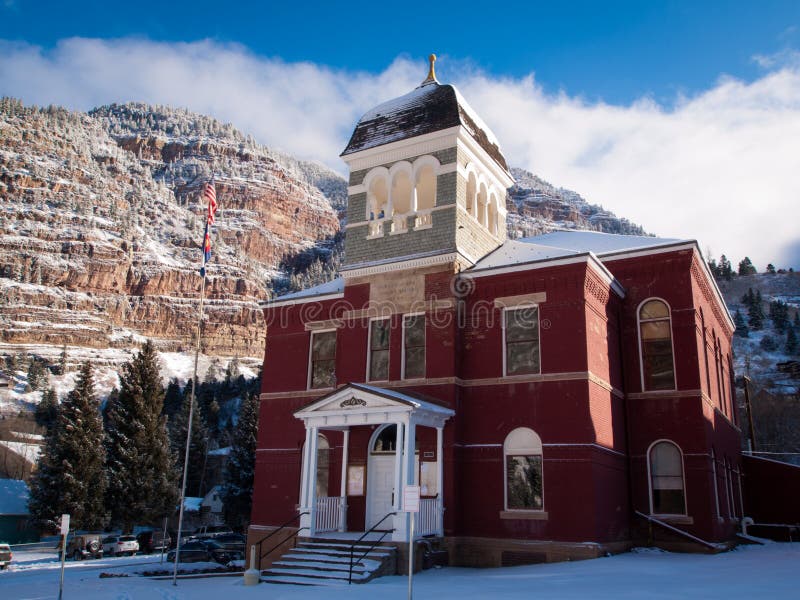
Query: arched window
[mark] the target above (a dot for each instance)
(493, 215)
(402, 188)
(483, 201)
(472, 195)
(377, 198)
(426, 188)
(665, 464)
(655, 343)
(522, 458)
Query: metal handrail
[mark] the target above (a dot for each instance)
(274, 532)
(373, 529)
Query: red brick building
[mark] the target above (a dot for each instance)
(560, 396)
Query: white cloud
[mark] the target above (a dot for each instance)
(722, 166)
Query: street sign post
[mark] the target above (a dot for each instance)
(411, 507)
(64, 532)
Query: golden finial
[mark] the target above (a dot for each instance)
(431, 78)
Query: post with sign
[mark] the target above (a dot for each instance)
(64, 532)
(411, 506)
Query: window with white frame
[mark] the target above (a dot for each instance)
(414, 346)
(378, 366)
(665, 463)
(655, 342)
(522, 462)
(322, 368)
(521, 340)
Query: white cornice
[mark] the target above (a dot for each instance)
(399, 265)
(394, 151)
(300, 300)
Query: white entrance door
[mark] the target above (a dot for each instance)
(380, 485)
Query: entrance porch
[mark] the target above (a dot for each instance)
(392, 461)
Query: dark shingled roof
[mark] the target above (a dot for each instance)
(428, 108)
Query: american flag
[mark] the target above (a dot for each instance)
(210, 194)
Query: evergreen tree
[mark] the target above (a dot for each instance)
(173, 398)
(770, 269)
(796, 322)
(46, 411)
(239, 475)
(714, 268)
(70, 476)
(741, 326)
(141, 480)
(37, 374)
(791, 342)
(197, 449)
(749, 298)
(756, 313)
(779, 313)
(746, 267)
(62, 361)
(725, 268)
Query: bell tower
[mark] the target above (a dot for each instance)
(427, 183)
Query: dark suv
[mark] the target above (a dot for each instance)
(153, 541)
(85, 545)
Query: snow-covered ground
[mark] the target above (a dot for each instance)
(749, 572)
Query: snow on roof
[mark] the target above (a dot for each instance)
(13, 497)
(563, 244)
(335, 286)
(404, 398)
(192, 503)
(428, 108)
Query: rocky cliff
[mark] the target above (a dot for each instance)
(101, 220)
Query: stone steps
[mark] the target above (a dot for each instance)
(328, 563)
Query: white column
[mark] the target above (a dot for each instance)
(440, 480)
(304, 471)
(414, 201)
(408, 468)
(312, 481)
(343, 485)
(398, 468)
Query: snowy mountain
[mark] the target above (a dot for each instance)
(535, 207)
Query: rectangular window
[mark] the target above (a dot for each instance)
(323, 359)
(524, 482)
(378, 368)
(414, 346)
(521, 338)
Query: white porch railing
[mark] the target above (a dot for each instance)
(375, 229)
(329, 513)
(423, 220)
(428, 519)
(399, 224)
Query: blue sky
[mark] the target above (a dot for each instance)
(614, 50)
(682, 116)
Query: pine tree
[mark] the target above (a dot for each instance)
(70, 476)
(746, 267)
(770, 269)
(779, 313)
(62, 361)
(756, 313)
(239, 475)
(749, 298)
(791, 342)
(173, 398)
(741, 326)
(197, 448)
(141, 480)
(46, 411)
(768, 344)
(725, 268)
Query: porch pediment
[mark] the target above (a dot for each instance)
(361, 404)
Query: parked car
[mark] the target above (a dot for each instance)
(209, 531)
(192, 551)
(225, 552)
(153, 541)
(120, 544)
(5, 555)
(85, 545)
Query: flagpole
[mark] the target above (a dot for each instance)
(189, 425)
